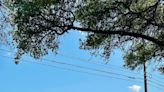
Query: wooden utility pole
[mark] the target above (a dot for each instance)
(145, 78)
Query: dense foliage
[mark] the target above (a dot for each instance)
(135, 26)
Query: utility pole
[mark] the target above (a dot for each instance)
(145, 78)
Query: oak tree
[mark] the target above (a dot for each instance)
(135, 26)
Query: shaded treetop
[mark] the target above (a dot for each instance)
(135, 26)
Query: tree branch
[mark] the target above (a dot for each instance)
(122, 33)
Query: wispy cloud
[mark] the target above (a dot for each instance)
(135, 88)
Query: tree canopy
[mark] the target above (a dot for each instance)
(4, 26)
(135, 26)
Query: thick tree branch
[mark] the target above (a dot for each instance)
(107, 32)
(122, 33)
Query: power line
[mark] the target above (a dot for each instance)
(157, 81)
(84, 60)
(79, 71)
(161, 85)
(68, 69)
(157, 86)
(88, 68)
(130, 77)
(92, 69)
(93, 62)
(155, 76)
(107, 76)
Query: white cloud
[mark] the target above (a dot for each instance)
(135, 88)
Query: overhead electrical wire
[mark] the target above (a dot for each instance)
(86, 72)
(88, 68)
(81, 66)
(156, 85)
(159, 84)
(129, 78)
(84, 60)
(95, 62)
(79, 71)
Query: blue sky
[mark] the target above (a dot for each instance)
(45, 75)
